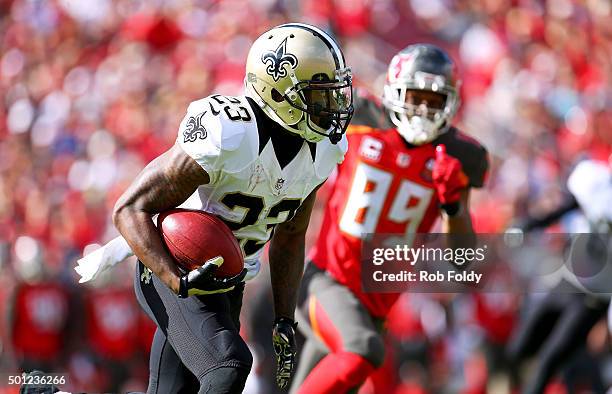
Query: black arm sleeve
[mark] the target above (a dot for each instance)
(531, 224)
(473, 156)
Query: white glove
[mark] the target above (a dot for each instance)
(98, 261)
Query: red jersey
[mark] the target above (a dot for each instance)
(384, 186)
(112, 322)
(40, 319)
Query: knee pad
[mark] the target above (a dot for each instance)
(224, 380)
(241, 354)
(232, 376)
(233, 349)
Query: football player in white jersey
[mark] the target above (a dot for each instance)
(556, 325)
(255, 161)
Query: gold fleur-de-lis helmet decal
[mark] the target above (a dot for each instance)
(294, 66)
(277, 59)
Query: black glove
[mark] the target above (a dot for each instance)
(202, 280)
(283, 339)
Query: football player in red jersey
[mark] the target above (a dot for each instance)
(405, 167)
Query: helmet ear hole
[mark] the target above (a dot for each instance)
(276, 96)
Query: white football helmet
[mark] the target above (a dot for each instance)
(420, 92)
(297, 74)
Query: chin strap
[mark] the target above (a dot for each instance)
(334, 138)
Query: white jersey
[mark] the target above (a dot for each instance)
(591, 184)
(248, 189)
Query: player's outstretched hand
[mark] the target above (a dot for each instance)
(283, 340)
(448, 178)
(203, 281)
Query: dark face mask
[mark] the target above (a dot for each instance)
(328, 105)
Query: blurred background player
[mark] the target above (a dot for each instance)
(405, 167)
(39, 317)
(556, 325)
(255, 161)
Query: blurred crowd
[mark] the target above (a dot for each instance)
(92, 91)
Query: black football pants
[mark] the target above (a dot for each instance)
(556, 328)
(197, 347)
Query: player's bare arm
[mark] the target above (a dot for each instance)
(287, 258)
(460, 223)
(286, 269)
(452, 187)
(164, 183)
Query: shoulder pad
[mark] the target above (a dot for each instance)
(225, 132)
(213, 133)
(472, 155)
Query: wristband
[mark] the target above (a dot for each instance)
(287, 320)
(452, 209)
(183, 290)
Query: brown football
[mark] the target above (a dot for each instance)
(193, 237)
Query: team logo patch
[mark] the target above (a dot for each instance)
(400, 64)
(403, 160)
(426, 172)
(277, 59)
(145, 277)
(195, 129)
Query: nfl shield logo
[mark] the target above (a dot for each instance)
(402, 160)
(426, 172)
(279, 184)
